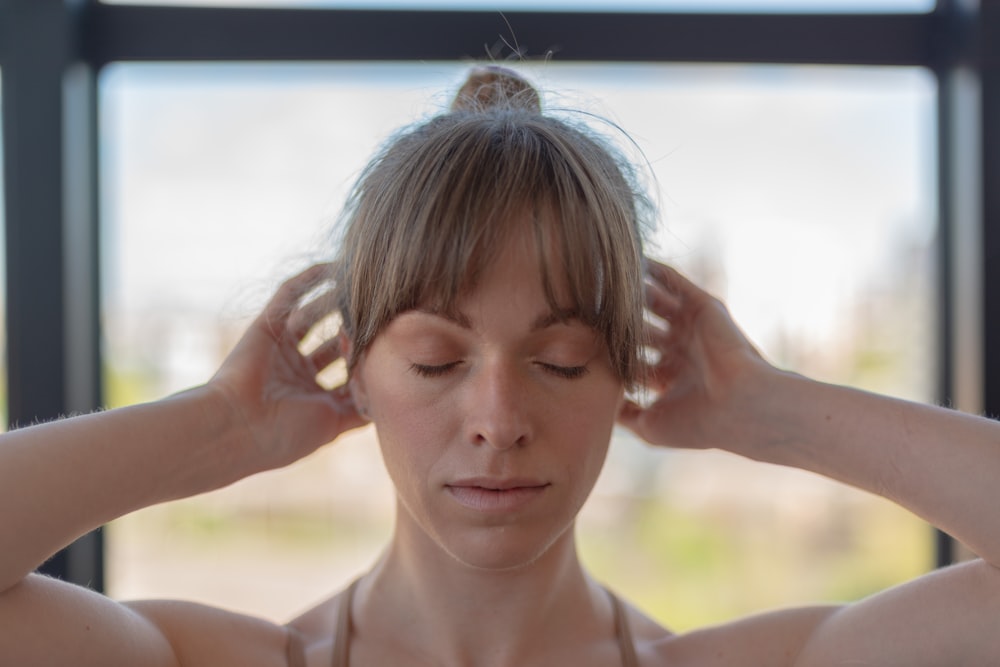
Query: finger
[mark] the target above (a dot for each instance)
(659, 299)
(656, 337)
(661, 302)
(292, 290)
(673, 281)
(302, 319)
(326, 353)
(664, 274)
(659, 377)
(662, 345)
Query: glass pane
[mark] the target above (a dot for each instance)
(803, 196)
(756, 6)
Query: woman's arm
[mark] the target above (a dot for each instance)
(62, 479)
(262, 410)
(713, 390)
(941, 464)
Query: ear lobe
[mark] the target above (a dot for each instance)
(355, 383)
(359, 393)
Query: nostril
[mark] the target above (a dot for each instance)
(497, 409)
(502, 441)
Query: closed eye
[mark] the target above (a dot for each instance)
(568, 372)
(430, 371)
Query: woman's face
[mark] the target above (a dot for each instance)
(494, 421)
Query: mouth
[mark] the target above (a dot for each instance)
(499, 484)
(497, 495)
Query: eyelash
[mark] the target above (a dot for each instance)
(426, 371)
(567, 372)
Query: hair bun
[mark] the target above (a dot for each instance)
(495, 87)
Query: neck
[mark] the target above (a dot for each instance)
(452, 613)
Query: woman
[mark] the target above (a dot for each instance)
(491, 286)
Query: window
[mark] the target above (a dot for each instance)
(219, 180)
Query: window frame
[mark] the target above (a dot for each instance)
(51, 52)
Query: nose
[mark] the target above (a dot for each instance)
(498, 406)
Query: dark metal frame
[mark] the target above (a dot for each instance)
(51, 50)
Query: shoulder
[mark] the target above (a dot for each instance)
(204, 635)
(218, 638)
(316, 630)
(946, 617)
(320, 621)
(774, 638)
(53, 622)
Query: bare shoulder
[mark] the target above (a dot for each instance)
(320, 620)
(205, 635)
(947, 617)
(51, 622)
(773, 638)
(317, 628)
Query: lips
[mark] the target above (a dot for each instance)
(497, 495)
(498, 483)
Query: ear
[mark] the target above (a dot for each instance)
(358, 395)
(355, 379)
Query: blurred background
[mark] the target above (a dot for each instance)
(805, 195)
(800, 195)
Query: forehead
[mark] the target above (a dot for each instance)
(543, 320)
(528, 254)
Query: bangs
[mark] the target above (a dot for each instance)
(433, 211)
(570, 270)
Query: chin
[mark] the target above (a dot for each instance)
(493, 543)
(505, 548)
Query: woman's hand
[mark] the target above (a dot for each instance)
(271, 386)
(263, 409)
(707, 375)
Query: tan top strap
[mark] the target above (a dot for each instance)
(342, 640)
(624, 633)
(295, 649)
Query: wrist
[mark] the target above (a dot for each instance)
(209, 430)
(774, 419)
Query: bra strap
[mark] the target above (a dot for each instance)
(624, 633)
(295, 649)
(342, 640)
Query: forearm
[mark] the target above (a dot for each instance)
(62, 479)
(941, 464)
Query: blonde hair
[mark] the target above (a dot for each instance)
(439, 200)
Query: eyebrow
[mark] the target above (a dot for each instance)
(541, 322)
(555, 317)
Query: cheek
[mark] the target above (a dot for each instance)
(405, 408)
(589, 440)
(413, 431)
(585, 427)
(392, 399)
